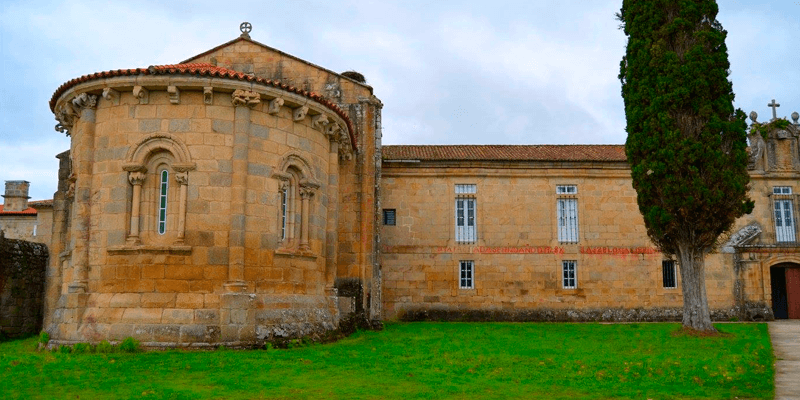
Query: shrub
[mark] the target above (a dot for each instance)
(44, 337)
(129, 345)
(104, 347)
(82, 348)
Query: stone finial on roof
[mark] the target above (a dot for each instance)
(795, 118)
(754, 117)
(245, 27)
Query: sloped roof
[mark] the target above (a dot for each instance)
(559, 152)
(247, 39)
(204, 70)
(27, 211)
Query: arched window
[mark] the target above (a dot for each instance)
(296, 190)
(158, 171)
(163, 188)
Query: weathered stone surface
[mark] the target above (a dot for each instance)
(22, 284)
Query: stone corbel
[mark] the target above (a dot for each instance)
(174, 94)
(241, 97)
(83, 101)
(66, 116)
(299, 113)
(111, 95)
(142, 94)
(208, 95)
(345, 148)
(71, 187)
(319, 121)
(275, 105)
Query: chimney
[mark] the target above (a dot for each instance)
(16, 197)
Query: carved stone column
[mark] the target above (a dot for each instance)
(183, 180)
(83, 157)
(305, 195)
(243, 101)
(136, 178)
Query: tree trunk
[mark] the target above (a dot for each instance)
(693, 280)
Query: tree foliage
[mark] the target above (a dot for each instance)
(686, 145)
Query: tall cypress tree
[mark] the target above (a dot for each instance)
(686, 145)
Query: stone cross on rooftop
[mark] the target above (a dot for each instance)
(774, 106)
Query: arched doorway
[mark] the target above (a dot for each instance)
(785, 282)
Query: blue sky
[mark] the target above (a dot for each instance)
(467, 72)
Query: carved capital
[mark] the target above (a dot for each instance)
(306, 192)
(174, 94)
(283, 185)
(208, 95)
(299, 113)
(275, 105)
(241, 97)
(111, 95)
(142, 94)
(182, 178)
(319, 121)
(84, 101)
(136, 178)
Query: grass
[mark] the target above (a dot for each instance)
(422, 361)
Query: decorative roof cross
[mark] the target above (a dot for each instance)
(774, 106)
(245, 28)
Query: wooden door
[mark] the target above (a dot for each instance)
(793, 292)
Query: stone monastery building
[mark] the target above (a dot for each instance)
(243, 195)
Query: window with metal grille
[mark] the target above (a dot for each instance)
(567, 209)
(465, 213)
(570, 280)
(784, 214)
(668, 274)
(467, 274)
(389, 216)
(162, 202)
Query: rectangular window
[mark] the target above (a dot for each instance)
(467, 274)
(389, 216)
(668, 274)
(465, 213)
(566, 189)
(570, 279)
(784, 214)
(782, 190)
(567, 209)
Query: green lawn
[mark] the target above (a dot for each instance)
(422, 360)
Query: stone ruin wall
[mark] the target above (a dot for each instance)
(22, 276)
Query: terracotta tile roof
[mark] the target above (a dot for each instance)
(558, 152)
(207, 70)
(27, 211)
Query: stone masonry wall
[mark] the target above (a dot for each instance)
(518, 257)
(22, 275)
